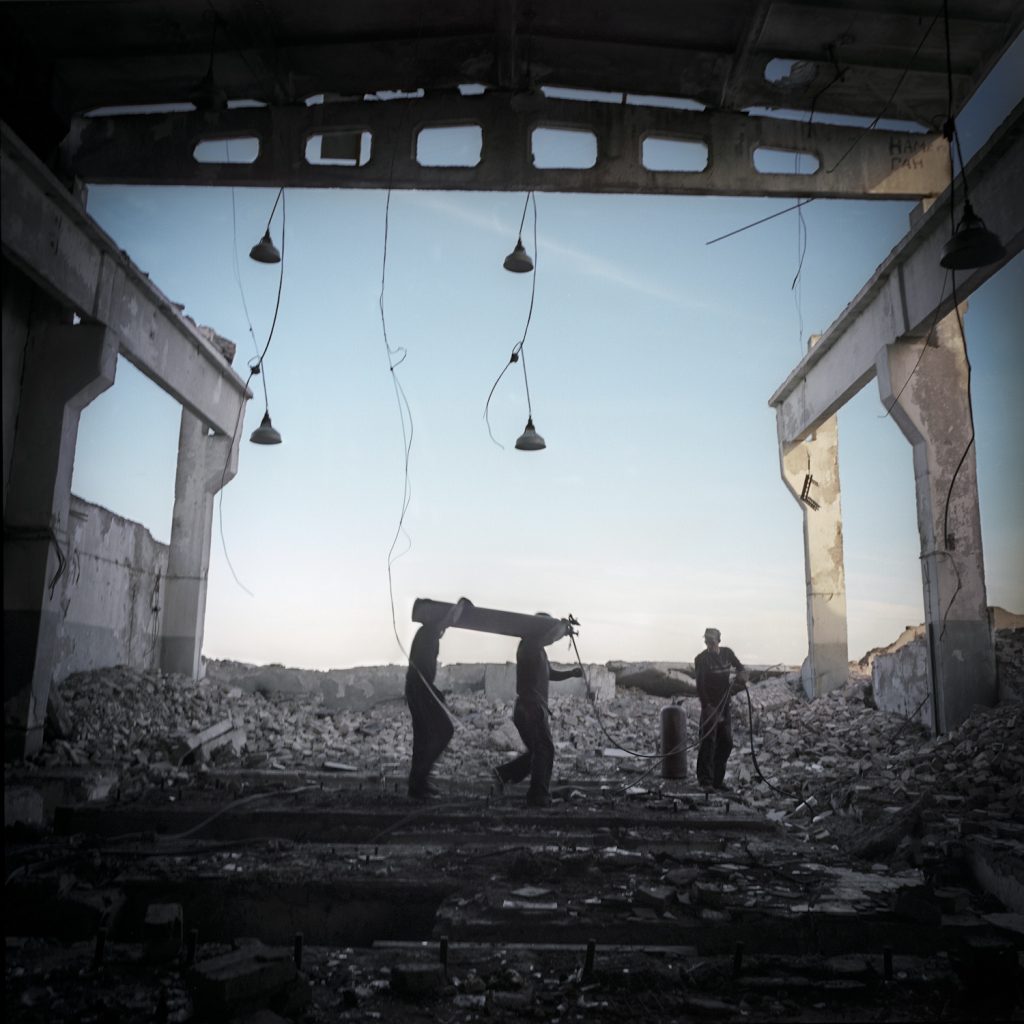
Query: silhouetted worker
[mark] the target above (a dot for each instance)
(714, 690)
(432, 727)
(530, 716)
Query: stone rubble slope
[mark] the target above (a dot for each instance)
(837, 767)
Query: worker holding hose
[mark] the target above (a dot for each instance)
(715, 692)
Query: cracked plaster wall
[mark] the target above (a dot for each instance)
(111, 594)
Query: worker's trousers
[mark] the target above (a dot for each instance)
(432, 730)
(538, 761)
(715, 735)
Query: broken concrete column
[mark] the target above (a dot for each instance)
(206, 462)
(927, 395)
(810, 469)
(65, 368)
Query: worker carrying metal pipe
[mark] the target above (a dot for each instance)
(715, 691)
(432, 727)
(531, 712)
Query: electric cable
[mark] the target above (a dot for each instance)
(396, 355)
(163, 837)
(796, 287)
(947, 546)
(427, 809)
(763, 220)
(700, 738)
(636, 753)
(518, 351)
(869, 127)
(234, 259)
(30, 533)
(253, 371)
(924, 348)
(953, 137)
(878, 117)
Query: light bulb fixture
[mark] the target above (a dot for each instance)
(972, 244)
(265, 432)
(518, 260)
(264, 251)
(208, 96)
(529, 440)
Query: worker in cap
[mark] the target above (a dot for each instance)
(712, 667)
(530, 714)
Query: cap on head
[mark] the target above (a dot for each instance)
(712, 634)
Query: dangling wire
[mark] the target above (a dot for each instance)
(255, 368)
(831, 170)
(396, 356)
(234, 257)
(518, 352)
(757, 223)
(924, 348)
(280, 285)
(896, 88)
(273, 210)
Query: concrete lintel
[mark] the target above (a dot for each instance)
(158, 149)
(910, 291)
(48, 235)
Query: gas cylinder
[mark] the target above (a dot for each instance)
(673, 742)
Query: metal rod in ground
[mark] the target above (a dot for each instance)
(588, 965)
(297, 951)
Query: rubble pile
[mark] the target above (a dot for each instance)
(834, 767)
(844, 772)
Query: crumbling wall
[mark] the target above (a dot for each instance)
(111, 593)
(899, 673)
(899, 682)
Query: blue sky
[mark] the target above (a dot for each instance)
(657, 508)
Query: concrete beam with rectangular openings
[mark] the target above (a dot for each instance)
(852, 162)
(49, 236)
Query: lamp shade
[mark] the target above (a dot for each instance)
(264, 251)
(972, 244)
(518, 260)
(529, 440)
(265, 432)
(208, 96)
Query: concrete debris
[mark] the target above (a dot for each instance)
(249, 977)
(163, 929)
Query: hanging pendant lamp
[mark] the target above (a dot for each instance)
(518, 260)
(265, 432)
(208, 96)
(529, 440)
(972, 244)
(264, 251)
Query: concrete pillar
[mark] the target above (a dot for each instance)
(927, 394)
(824, 571)
(65, 368)
(206, 462)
